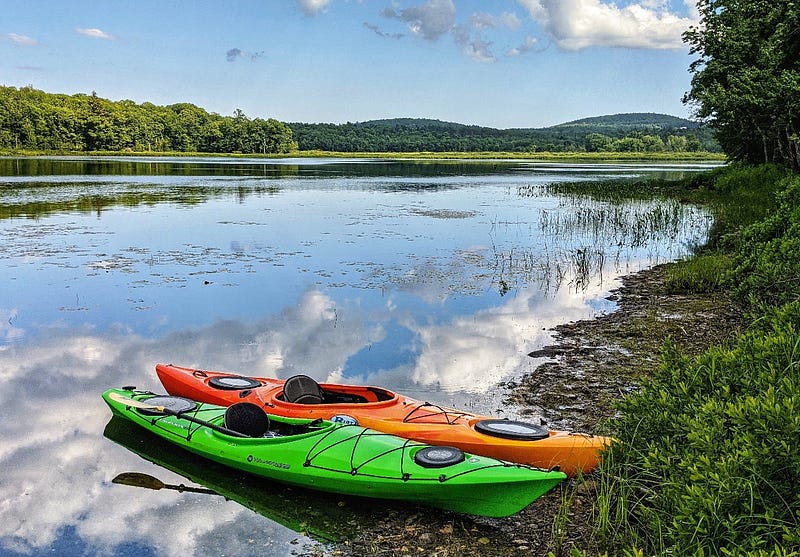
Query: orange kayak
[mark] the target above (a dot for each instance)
(390, 412)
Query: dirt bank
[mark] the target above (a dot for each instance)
(591, 364)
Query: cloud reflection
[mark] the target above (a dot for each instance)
(57, 466)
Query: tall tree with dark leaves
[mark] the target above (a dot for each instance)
(746, 80)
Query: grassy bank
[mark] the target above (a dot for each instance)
(545, 156)
(708, 454)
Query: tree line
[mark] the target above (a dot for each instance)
(35, 120)
(746, 80)
(418, 135)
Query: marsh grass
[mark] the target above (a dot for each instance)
(702, 273)
(707, 458)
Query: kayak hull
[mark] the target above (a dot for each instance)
(344, 459)
(386, 411)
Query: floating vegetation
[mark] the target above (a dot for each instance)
(443, 213)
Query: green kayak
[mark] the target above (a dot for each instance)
(336, 457)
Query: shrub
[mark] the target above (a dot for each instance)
(708, 458)
(767, 261)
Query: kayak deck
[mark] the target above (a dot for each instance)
(390, 412)
(342, 458)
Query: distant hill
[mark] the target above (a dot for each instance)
(414, 123)
(615, 132)
(634, 120)
(629, 121)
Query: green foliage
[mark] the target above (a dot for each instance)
(702, 273)
(767, 261)
(708, 457)
(34, 120)
(708, 454)
(739, 195)
(621, 133)
(747, 77)
(637, 121)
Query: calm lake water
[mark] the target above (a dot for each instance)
(435, 279)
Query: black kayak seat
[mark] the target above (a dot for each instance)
(302, 389)
(247, 418)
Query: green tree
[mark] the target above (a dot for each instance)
(628, 145)
(596, 142)
(676, 143)
(653, 143)
(746, 81)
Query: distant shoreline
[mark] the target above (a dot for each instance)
(480, 155)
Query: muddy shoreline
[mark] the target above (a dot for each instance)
(591, 364)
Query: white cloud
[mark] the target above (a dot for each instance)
(95, 33)
(474, 47)
(506, 19)
(21, 40)
(235, 54)
(429, 21)
(470, 36)
(579, 24)
(375, 29)
(312, 7)
(529, 44)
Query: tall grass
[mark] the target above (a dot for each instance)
(702, 273)
(707, 458)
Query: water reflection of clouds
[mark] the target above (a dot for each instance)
(56, 466)
(474, 352)
(8, 332)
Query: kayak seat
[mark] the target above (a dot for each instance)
(302, 389)
(335, 397)
(247, 418)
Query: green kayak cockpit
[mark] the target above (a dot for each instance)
(241, 420)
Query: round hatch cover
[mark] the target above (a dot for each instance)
(438, 457)
(173, 404)
(233, 382)
(509, 429)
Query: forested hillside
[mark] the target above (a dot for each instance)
(617, 133)
(32, 119)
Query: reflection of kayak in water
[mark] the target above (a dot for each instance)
(386, 411)
(317, 515)
(336, 457)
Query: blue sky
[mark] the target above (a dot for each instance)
(503, 63)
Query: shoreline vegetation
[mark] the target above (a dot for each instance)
(425, 155)
(707, 457)
(33, 120)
